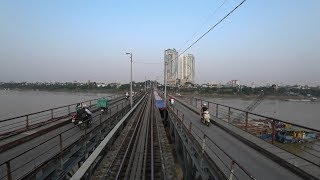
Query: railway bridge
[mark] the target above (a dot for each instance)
(145, 142)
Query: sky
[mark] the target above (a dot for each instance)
(261, 42)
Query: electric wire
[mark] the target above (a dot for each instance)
(213, 26)
(205, 22)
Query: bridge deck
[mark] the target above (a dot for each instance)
(254, 161)
(39, 152)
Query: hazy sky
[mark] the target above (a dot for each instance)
(268, 41)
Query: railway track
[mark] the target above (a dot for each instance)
(139, 155)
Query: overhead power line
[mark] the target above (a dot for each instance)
(206, 21)
(142, 62)
(213, 27)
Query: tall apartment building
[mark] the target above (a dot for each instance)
(171, 59)
(186, 68)
(179, 70)
(234, 83)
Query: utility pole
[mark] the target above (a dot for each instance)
(130, 80)
(165, 83)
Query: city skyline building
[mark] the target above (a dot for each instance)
(234, 83)
(186, 69)
(179, 70)
(171, 62)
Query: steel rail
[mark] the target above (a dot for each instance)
(124, 143)
(132, 139)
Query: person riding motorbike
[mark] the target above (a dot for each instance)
(127, 95)
(205, 116)
(78, 106)
(171, 100)
(203, 108)
(85, 115)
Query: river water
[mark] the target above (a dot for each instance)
(302, 113)
(15, 103)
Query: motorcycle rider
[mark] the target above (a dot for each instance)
(127, 95)
(78, 106)
(86, 109)
(203, 108)
(85, 114)
(171, 100)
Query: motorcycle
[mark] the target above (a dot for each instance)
(171, 102)
(205, 118)
(82, 122)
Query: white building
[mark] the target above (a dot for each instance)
(179, 70)
(234, 83)
(186, 68)
(171, 59)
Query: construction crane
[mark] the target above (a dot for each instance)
(251, 107)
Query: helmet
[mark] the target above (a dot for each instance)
(204, 104)
(84, 105)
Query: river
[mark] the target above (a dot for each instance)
(302, 113)
(15, 103)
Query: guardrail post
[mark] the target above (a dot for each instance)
(85, 135)
(246, 127)
(273, 130)
(217, 110)
(100, 117)
(27, 121)
(51, 113)
(229, 114)
(9, 170)
(231, 170)
(190, 126)
(208, 104)
(203, 144)
(69, 109)
(90, 103)
(61, 151)
(200, 102)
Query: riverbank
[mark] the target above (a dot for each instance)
(245, 97)
(93, 91)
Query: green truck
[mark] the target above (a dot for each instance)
(103, 104)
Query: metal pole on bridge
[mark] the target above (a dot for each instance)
(130, 80)
(9, 175)
(165, 83)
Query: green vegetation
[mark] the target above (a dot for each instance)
(72, 86)
(244, 90)
(188, 88)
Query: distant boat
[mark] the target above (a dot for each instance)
(313, 99)
(299, 100)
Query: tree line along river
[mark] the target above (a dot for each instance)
(15, 103)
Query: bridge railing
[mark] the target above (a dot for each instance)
(32, 158)
(210, 150)
(297, 139)
(29, 121)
